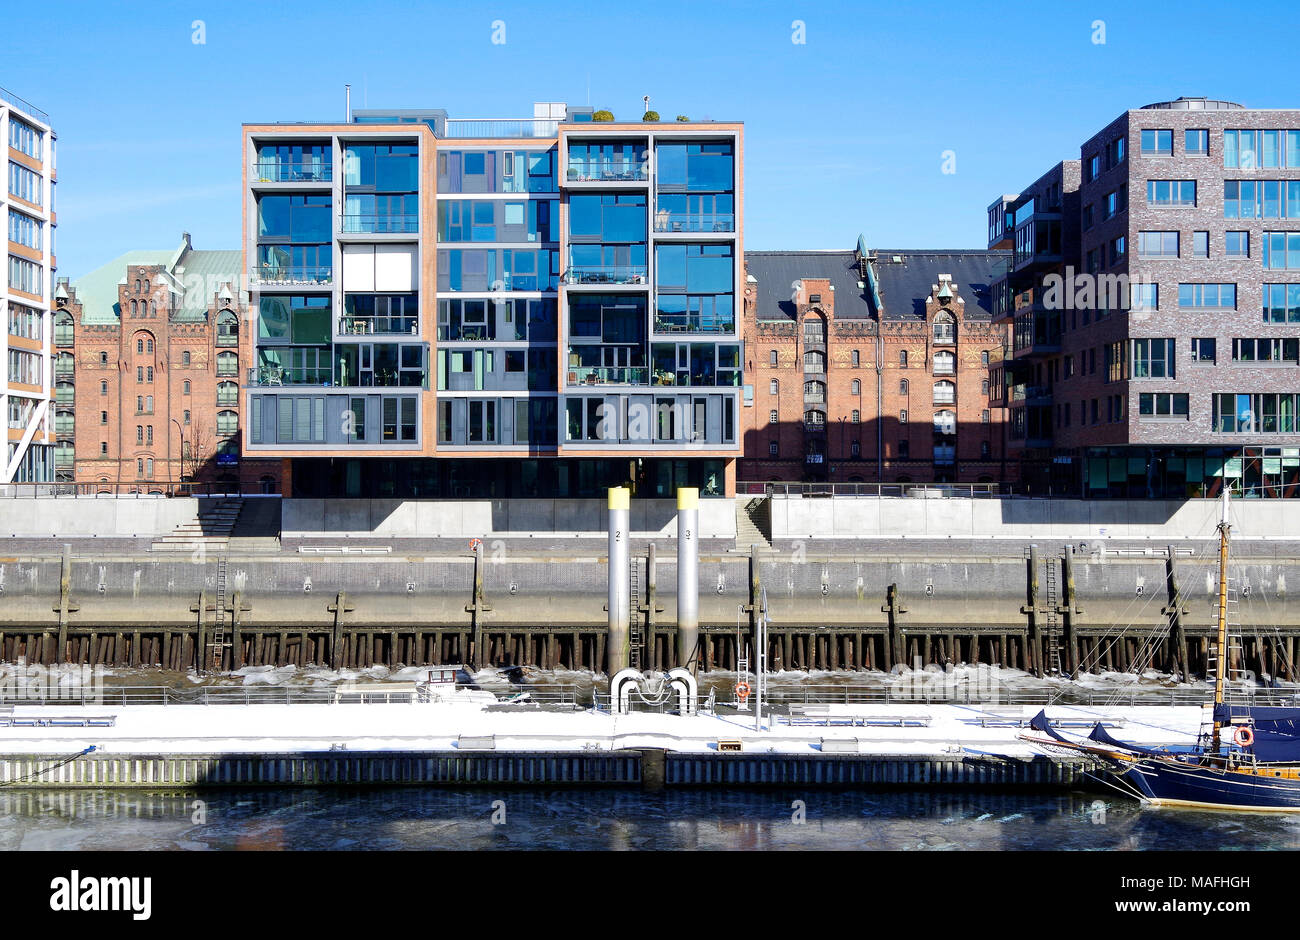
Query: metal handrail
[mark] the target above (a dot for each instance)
(22, 104)
(561, 694)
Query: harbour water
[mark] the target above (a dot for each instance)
(578, 819)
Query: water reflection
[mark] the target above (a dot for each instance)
(426, 818)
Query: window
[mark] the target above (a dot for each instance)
(1281, 303)
(103, 388)
(1171, 193)
(902, 386)
(1266, 350)
(227, 423)
(1087, 217)
(103, 417)
(1236, 244)
(139, 346)
(1203, 349)
(1268, 413)
(945, 363)
(1162, 405)
(1200, 244)
(945, 393)
(984, 357)
(773, 387)
(24, 138)
(1157, 143)
(185, 358)
(148, 435)
(139, 433)
(902, 417)
(1144, 296)
(1153, 358)
(903, 450)
(945, 331)
(945, 422)
(771, 358)
(1261, 199)
(814, 361)
(25, 230)
(103, 448)
(1115, 152)
(25, 184)
(856, 387)
(1157, 244)
(186, 418)
(1196, 143)
(855, 450)
(772, 450)
(814, 391)
(1094, 166)
(856, 360)
(814, 419)
(902, 358)
(185, 387)
(856, 417)
(1117, 250)
(773, 417)
(1282, 250)
(1116, 362)
(984, 388)
(984, 419)
(25, 276)
(1216, 296)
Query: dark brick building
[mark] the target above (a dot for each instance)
(1165, 359)
(147, 370)
(872, 367)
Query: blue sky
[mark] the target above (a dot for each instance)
(845, 133)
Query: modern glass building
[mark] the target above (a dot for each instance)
(501, 308)
(30, 385)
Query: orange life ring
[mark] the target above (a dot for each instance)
(1243, 736)
(474, 544)
(742, 690)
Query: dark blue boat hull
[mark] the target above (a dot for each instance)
(1175, 783)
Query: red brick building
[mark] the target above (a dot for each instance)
(872, 367)
(147, 373)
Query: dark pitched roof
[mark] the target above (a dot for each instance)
(776, 272)
(905, 284)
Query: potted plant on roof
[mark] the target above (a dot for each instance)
(650, 116)
(603, 115)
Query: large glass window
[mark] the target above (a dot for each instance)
(1171, 192)
(1282, 250)
(389, 168)
(1153, 358)
(24, 184)
(303, 218)
(1162, 404)
(293, 318)
(25, 230)
(696, 167)
(294, 163)
(607, 160)
(1266, 413)
(1158, 244)
(25, 138)
(1281, 303)
(1219, 296)
(608, 217)
(1157, 143)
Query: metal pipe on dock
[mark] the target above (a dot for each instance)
(688, 577)
(616, 645)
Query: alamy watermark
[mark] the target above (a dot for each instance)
(35, 683)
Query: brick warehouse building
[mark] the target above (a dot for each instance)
(1187, 376)
(872, 367)
(147, 373)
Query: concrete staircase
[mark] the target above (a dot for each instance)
(753, 521)
(212, 529)
(257, 531)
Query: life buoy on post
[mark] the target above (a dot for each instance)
(742, 690)
(474, 544)
(1243, 736)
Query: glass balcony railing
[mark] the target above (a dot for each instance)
(610, 375)
(471, 127)
(63, 370)
(380, 224)
(694, 323)
(708, 222)
(607, 274)
(379, 325)
(300, 375)
(596, 171)
(227, 339)
(62, 336)
(315, 275)
(276, 171)
(64, 426)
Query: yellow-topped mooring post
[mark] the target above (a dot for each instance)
(616, 635)
(688, 575)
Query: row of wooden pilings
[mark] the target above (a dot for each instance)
(1054, 637)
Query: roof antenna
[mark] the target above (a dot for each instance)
(347, 92)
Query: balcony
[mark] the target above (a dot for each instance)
(590, 171)
(605, 275)
(609, 375)
(63, 370)
(227, 339)
(379, 326)
(526, 127)
(63, 336)
(323, 377)
(694, 323)
(64, 425)
(319, 275)
(382, 224)
(666, 222)
(288, 171)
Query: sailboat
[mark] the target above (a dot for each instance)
(1246, 758)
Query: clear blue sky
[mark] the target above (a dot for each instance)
(844, 133)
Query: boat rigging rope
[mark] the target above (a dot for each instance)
(37, 773)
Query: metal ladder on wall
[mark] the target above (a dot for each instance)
(1053, 624)
(219, 644)
(634, 637)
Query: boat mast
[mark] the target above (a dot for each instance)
(1221, 638)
